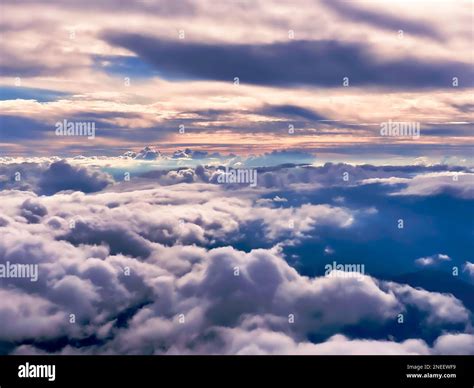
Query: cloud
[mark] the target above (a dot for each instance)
(216, 304)
(160, 6)
(160, 269)
(28, 317)
(383, 20)
(432, 260)
(41, 95)
(18, 127)
(292, 111)
(459, 184)
(267, 342)
(33, 211)
(455, 344)
(118, 238)
(49, 176)
(211, 299)
(439, 307)
(62, 176)
(278, 157)
(173, 262)
(77, 70)
(469, 267)
(310, 63)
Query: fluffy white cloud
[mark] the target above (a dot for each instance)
(137, 266)
(432, 260)
(267, 342)
(439, 307)
(217, 291)
(460, 184)
(460, 343)
(29, 317)
(469, 267)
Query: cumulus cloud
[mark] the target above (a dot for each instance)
(454, 344)
(469, 267)
(140, 313)
(342, 174)
(437, 306)
(149, 269)
(50, 176)
(62, 176)
(32, 211)
(29, 317)
(261, 341)
(460, 184)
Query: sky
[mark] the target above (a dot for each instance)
(244, 77)
(252, 177)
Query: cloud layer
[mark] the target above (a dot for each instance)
(140, 269)
(320, 75)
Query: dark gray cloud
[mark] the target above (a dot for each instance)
(119, 239)
(318, 63)
(62, 176)
(48, 178)
(20, 127)
(448, 130)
